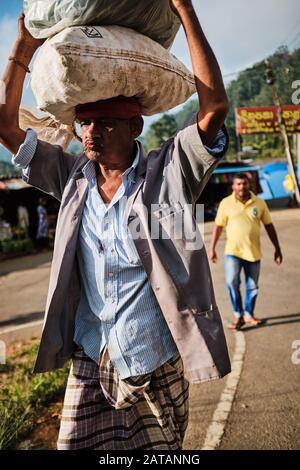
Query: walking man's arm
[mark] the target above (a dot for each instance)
(270, 229)
(217, 231)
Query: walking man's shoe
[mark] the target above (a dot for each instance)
(252, 321)
(237, 324)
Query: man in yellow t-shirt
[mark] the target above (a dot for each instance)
(241, 213)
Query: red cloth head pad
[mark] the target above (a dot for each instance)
(120, 107)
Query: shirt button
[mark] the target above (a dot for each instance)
(111, 250)
(111, 274)
(112, 300)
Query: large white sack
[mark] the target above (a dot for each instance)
(154, 18)
(84, 64)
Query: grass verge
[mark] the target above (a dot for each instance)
(25, 396)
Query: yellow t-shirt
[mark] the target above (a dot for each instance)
(242, 222)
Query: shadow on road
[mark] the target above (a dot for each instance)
(279, 320)
(25, 262)
(34, 316)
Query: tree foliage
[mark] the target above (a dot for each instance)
(168, 125)
(160, 131)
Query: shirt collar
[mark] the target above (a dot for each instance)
(130, 172)
(250, 200)
(89, 169)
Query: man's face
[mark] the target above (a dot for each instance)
(106, 138)
(241, 188)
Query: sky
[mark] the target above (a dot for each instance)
(241, 33)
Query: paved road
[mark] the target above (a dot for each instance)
(265, 408)
(23, 288)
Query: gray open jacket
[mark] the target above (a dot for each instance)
(173, 177)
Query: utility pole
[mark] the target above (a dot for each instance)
(270, 80)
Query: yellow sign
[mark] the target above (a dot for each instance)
(264, 120)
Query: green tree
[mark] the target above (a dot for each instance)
(160, 131)
(188, 108)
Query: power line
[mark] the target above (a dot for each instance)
(282, 43)
(232, 73)
(290, 31)
(239, 71)
(244, 70)
(295, 39)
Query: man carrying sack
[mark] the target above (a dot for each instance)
(136, 313)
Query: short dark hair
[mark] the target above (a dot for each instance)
(241, 176)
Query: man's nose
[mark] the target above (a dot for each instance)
(91, 128)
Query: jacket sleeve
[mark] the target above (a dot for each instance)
(193, 160)
(44, 166)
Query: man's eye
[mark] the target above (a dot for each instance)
(85, 123)
(106, 123)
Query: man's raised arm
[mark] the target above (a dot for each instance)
(11, 136)
(213, 103)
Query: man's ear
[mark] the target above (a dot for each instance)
(136, 126)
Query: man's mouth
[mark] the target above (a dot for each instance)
(94, 144)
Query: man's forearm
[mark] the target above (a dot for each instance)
(207, 72)
(13, 80)
(209, 83)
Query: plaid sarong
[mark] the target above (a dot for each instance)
(103, 412)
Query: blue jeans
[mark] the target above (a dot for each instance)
(233, 267)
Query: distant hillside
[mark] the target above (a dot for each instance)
(7, 170)
(249, 89)
(5, 155)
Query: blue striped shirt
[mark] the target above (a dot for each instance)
(117, 306)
